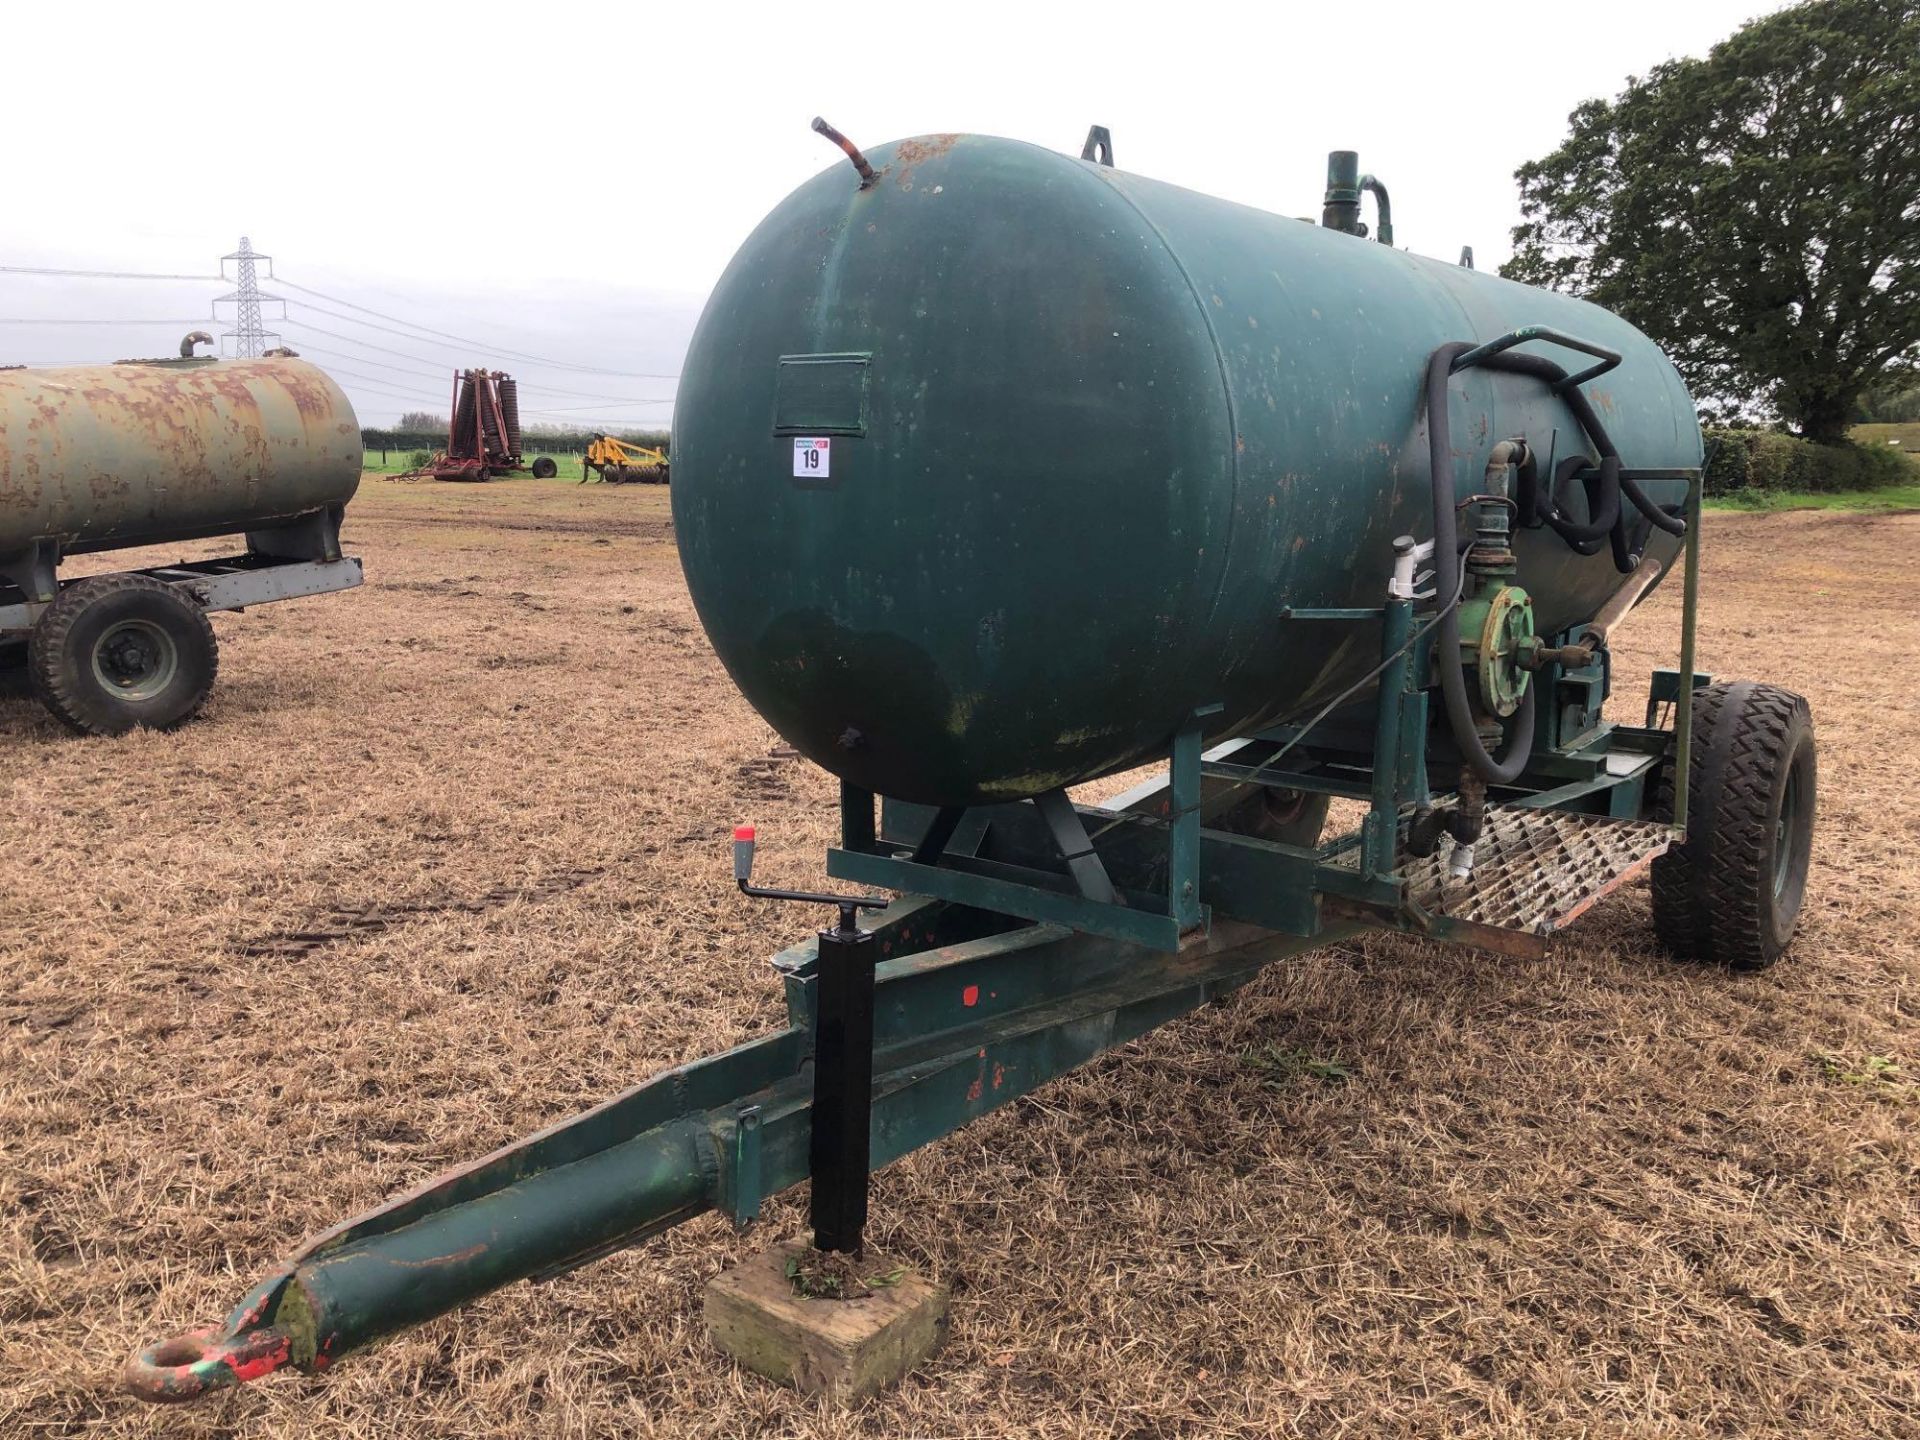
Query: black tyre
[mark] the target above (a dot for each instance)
(544, 468)
(1291, 817)
(122, 651)
(1730, 895)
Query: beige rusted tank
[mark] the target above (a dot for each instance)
(97, 457)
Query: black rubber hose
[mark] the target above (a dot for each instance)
(1603, 507)
(1601, 497)
(1545, 369)
(1629, 543)
(1506, 767)
(1542, 505)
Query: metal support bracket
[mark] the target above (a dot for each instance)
(1527, 333)
(1089, 874)
(749, 1182)
(32, 571)
(943, 861)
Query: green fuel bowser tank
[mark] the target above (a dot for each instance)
(995, 468)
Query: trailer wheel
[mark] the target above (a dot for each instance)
(1292, 817)
(544, 468)
(122, 651)
(1730, 895)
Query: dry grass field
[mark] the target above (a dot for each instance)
(445, 860)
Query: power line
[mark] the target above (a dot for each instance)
(475, 344)
(461, 339)
(39, 320)
(405, 392)
(571, 409)
(525, 384)
(482, 346)
(102, 274)
(249, 330)
(405, 334)
(355, 339)
(310, 348)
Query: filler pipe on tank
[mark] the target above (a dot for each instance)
(1340, 208)
(1345, 184)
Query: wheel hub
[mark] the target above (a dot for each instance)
(135, 660)
(1783, 833)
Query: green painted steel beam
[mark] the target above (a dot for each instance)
(960, 1030)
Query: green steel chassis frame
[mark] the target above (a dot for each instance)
(999, 969)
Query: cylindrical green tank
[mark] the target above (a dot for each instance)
(96, 457)
(1088, 436)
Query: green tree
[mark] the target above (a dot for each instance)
(1756, 212)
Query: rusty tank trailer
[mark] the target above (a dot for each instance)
(110, 457)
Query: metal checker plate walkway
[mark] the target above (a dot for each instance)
(1535, 872)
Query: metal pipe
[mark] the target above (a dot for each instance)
(1381, 828)
(1689, 607)
(1385, 232)
(1340, 210)
(867, 176)
(1526, 333)
(1593, 634)
(370, 1280)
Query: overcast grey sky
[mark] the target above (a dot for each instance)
(568, 180)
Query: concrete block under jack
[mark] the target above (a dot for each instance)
(849, 1348)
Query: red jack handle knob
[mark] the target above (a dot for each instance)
(743, 853)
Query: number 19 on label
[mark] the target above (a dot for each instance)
(812, 459)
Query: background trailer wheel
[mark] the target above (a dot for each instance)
(1731, 894)
(120, 651)
(544, 468)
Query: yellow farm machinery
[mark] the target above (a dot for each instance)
(619, 462)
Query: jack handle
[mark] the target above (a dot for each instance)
(850, 905)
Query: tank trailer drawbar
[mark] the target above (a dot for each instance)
(1044, 471)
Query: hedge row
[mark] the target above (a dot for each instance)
(1768, 460)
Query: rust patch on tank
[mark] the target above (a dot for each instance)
(910, 153)
(926, 147)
